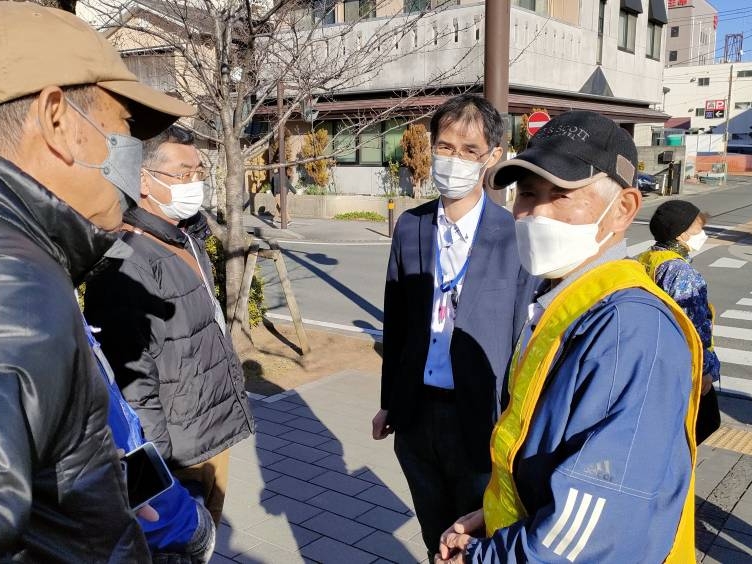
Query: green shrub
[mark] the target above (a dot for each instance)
(361, 215)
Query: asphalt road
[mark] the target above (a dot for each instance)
(340, 286)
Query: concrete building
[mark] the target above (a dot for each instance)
(691, 33)
(699, 99)
(592, 54)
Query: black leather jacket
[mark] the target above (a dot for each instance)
(62, 494)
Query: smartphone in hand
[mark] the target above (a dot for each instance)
(146, 475)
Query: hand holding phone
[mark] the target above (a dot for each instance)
(146, 475)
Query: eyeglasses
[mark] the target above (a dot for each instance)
(464, 154)
(196, 175)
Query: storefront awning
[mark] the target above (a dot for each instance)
(632, 5)
(657, 12)
(519, 103)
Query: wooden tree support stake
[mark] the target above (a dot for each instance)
(275, 254)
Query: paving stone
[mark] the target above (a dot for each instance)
(285, 535)
(332, 446)
(272, 428)
(721, 555)
(334, 552)
(268, 442)
(219, 559)
(740, 521)
(295, 398)
(304, 411)
(292, 510)
(333, 462)
(302, 452)
(340, 504)
(281, 405)
(735, 540)
(338, 527)
(341, 483)
(231, 542)
(305, 424)
(397, 524)
(267, 414)
(304, 437)
(251, 474)
(297, 468)
(267, 457)
(393, 549)
(242, 510)
(384, 497)
(294, 488)
(267, 553)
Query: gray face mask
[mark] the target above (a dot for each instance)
(122, 167)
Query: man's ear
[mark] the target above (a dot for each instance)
(626, 208)
(145, 184)
(494, 157)
(57, 122)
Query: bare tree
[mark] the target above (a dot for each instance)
(229, 57)
(67, 5)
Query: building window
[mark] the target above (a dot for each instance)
(674, 31)
(416, 6)
(705, 81)
(323, 11)
(653, 45)
(627, 30)
(538, 6)
(672, 55)
(744, 74)
(359, 10)
(699, 112)
(375, 145)
(153, 67)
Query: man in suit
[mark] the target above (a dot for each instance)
(451, 317)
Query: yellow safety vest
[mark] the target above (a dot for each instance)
(501, 503)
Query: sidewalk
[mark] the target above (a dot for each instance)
(337, 231)
(312, 486)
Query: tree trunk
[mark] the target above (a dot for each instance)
(236, 245)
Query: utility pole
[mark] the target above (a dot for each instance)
(496, 71)
(726, 129)
(282, 180)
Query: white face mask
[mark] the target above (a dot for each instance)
(455, 178)
(696, 241)
(550, 248)
(186, 198)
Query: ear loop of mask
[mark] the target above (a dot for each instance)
(608, 207)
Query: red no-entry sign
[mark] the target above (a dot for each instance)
(536, 121)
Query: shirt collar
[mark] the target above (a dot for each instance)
(616, 252)
(467, 224)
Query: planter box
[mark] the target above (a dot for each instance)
(326, 207)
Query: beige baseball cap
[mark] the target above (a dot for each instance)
(42, 47)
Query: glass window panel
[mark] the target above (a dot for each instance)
(344, 144)
(393, 135)
(370, 145)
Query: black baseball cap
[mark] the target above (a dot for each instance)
(573, 150)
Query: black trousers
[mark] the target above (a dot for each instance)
(433, 457)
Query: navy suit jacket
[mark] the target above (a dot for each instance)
(491, 312)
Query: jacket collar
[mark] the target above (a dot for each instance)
(71, 239)
(155, 226)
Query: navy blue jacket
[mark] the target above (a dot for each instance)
(491, 312)
(605, 467)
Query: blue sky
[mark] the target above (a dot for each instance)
(738, 22)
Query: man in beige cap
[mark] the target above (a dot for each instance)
(68, 168)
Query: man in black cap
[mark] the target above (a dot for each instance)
(70, 115)
(593, 456)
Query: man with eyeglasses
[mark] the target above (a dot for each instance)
(163, 330)
(456, 298)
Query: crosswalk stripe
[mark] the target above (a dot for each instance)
(735, 386)
(737, 314)
(732, 332)
(734, 356)
(745, 302)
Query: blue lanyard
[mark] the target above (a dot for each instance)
(451, 286)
